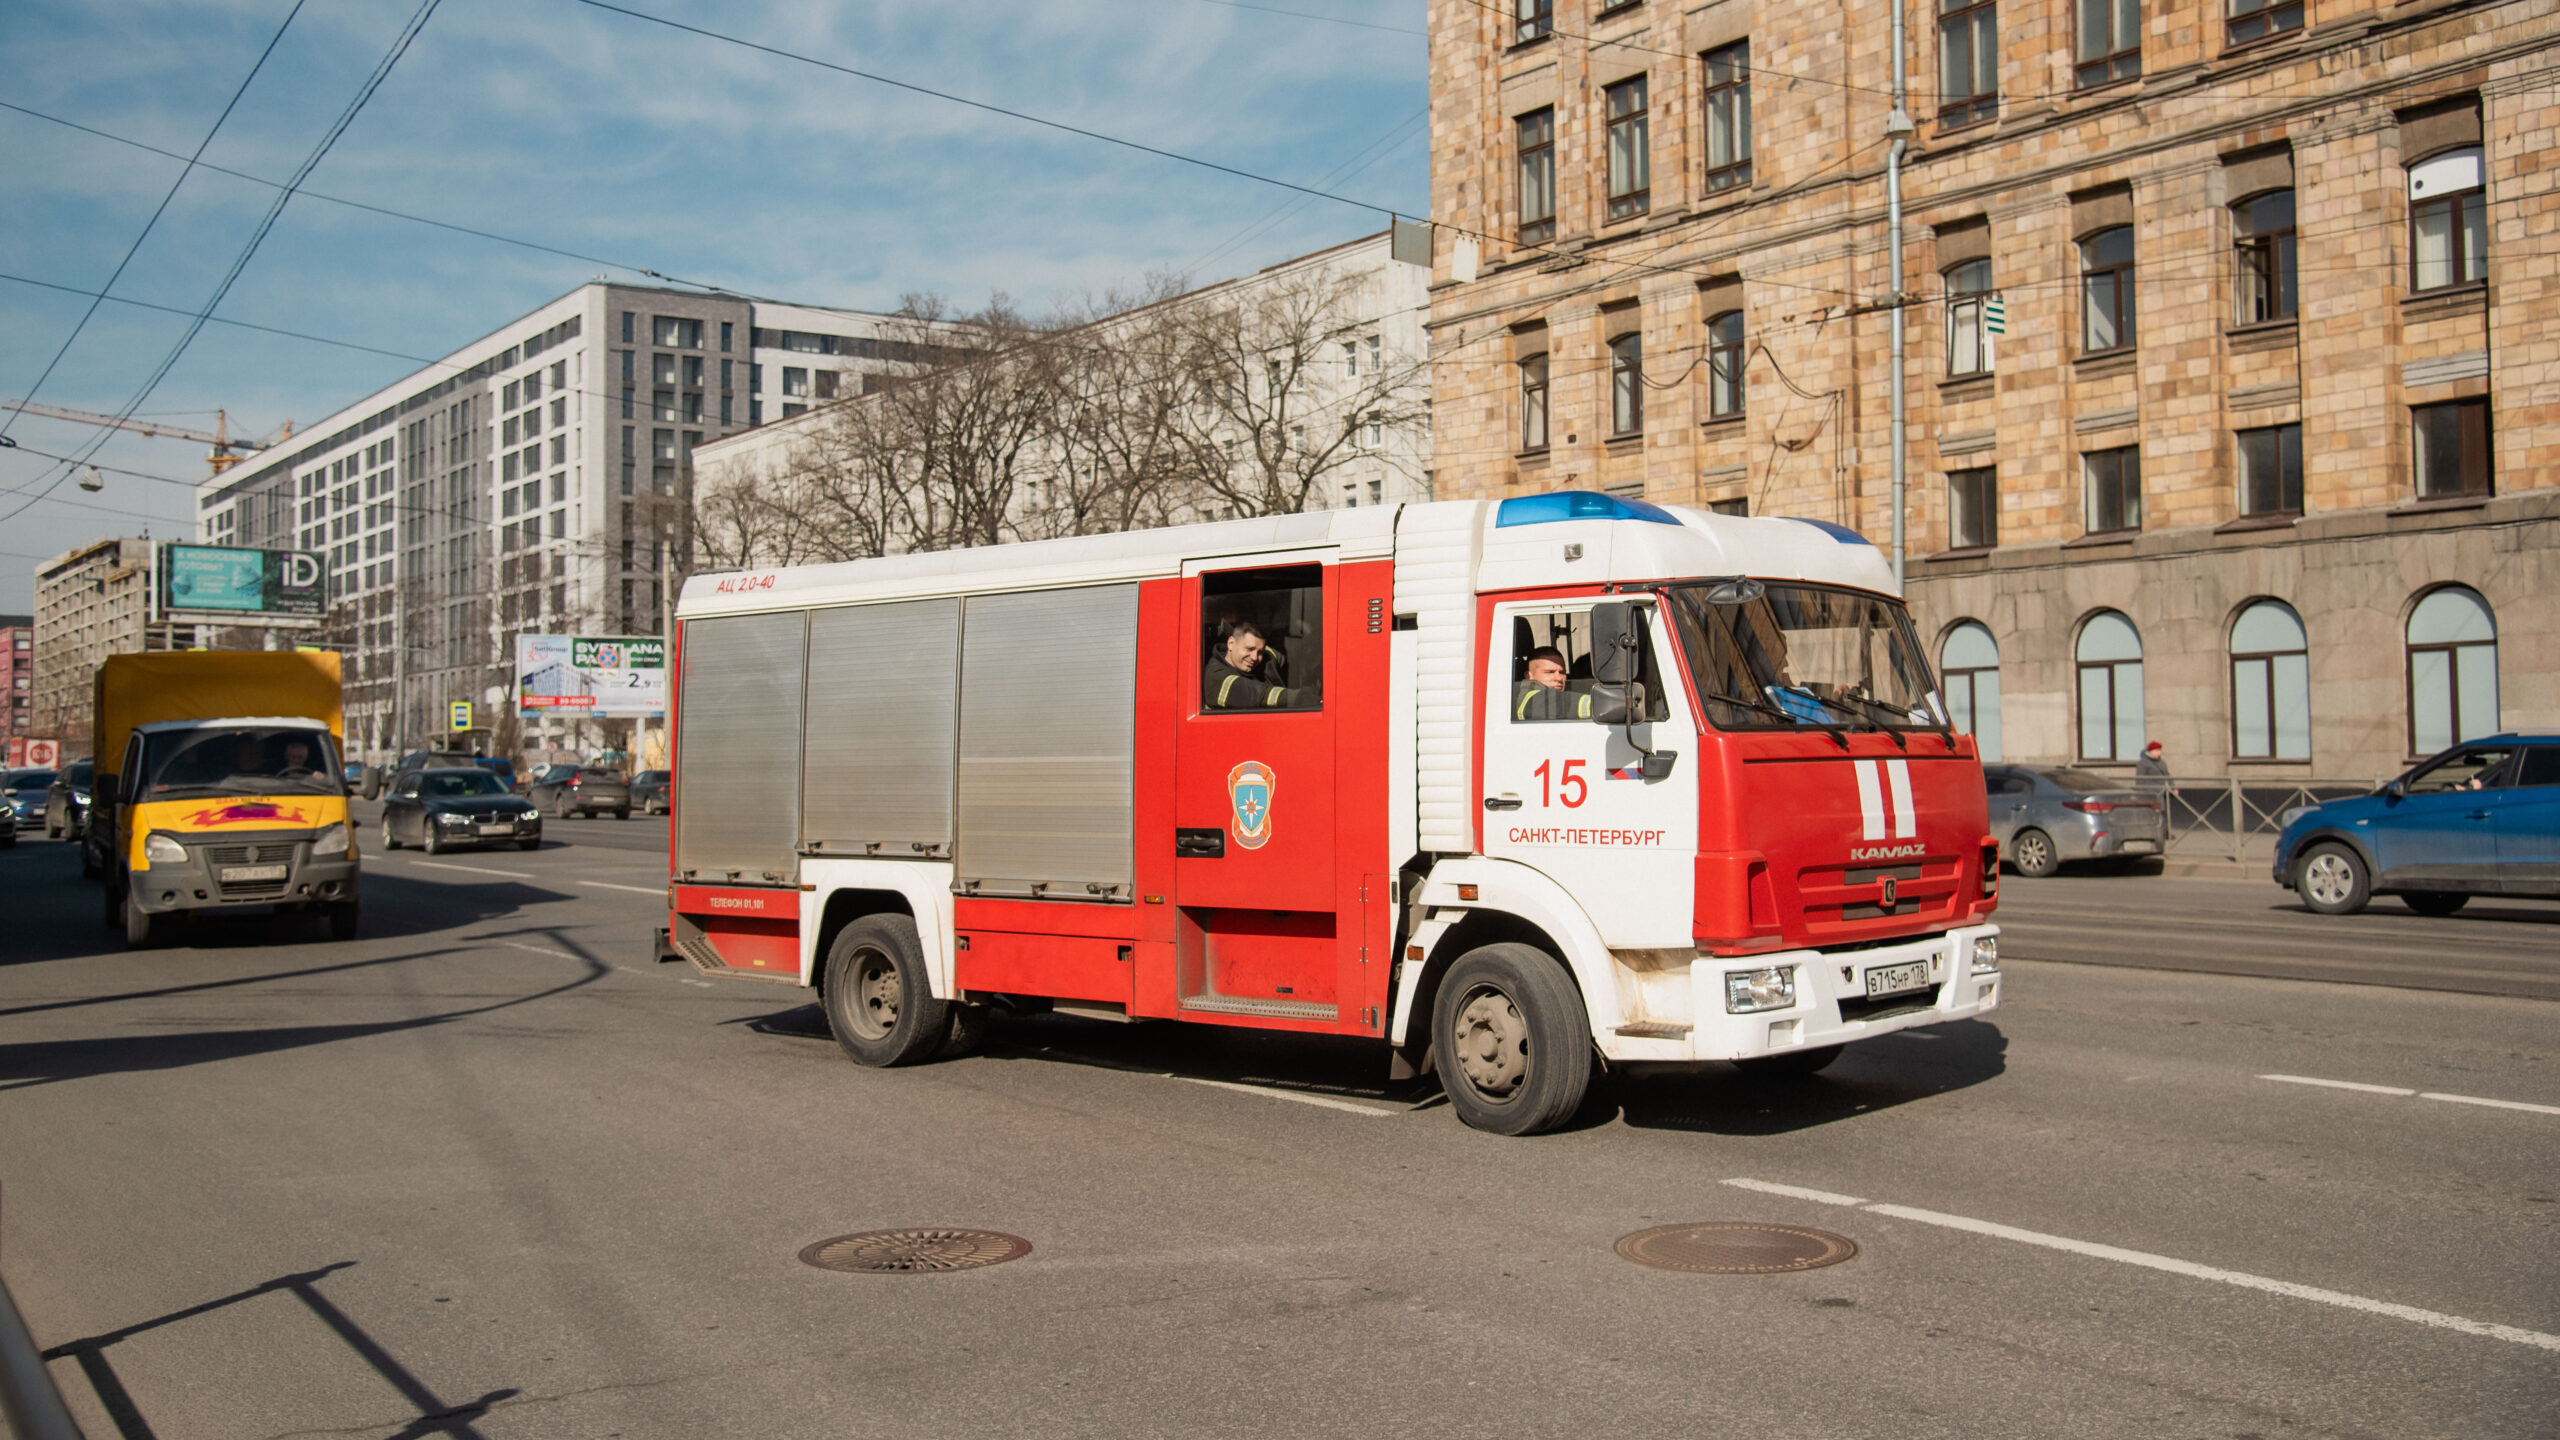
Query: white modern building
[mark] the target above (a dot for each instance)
(530, 481)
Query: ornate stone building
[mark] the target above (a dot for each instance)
(2233, 371)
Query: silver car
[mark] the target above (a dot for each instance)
(2046, 817)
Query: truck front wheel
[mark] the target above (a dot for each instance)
(1510, 1040)
(879, 1003)
(138, 922)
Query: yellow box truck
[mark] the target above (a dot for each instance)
(218, 785)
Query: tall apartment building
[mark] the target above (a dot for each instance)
(531, 481)
(17, 674)
(92, 601)
(2233, 392)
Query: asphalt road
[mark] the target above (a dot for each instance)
(487, 1171)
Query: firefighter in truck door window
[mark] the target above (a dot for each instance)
(1541, 694)
(1233, 680)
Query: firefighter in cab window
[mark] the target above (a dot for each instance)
(1542, 695)
(1235, 681)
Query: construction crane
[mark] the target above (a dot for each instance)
(219, 437)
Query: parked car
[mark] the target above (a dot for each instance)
(2482, 818)
(565, 790)
(453, 806)
(24, 793)
(2047, 818)
(651, 792)
(66, 801)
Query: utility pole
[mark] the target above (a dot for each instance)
(1897, 128)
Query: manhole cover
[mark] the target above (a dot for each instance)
(914, 1252)
(1729, 1248)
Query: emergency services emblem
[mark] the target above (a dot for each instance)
(1249, 787)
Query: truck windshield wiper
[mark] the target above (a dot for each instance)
(1765, 708)
(1879, 708)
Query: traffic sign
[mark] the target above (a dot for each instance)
(1995, 315)
(458, 715)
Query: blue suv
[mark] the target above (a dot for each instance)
(2483, 818)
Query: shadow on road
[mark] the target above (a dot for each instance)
(1876, 1075)
(435, 1417)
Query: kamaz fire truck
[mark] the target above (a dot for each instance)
(1517, 787)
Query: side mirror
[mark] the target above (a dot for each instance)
(2395, 790)
(1617, 632)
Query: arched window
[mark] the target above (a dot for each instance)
(1969, 666)
(2453, 670)
(2110, 658)
(2270, 684)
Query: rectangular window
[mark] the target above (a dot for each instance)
(1969, 338)
(662, 445)
(1968, 62)
(724, 373)
(2111, 485)
(692, 372)
(2254, 20)
(725, 411)
(2451, 442)
(2449, 240)
(2271, 470)
(1626, 385)
(626, 442)
(533, 387)
(1724, 365)
(755, 377)
(2109, 43)
(1262, 640)
(826, 380)
(662, 369)
(795, 380)
(1537, 20)
(1630, 149)
(626, 327)
(1533, 403)
(2263, 235)
(2106, 291)
(627, 397)
(725, 328)
(693, 407)
(1973, 508)
(1728, 107)
(1537, 145)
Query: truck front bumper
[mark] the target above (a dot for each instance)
(1819, 997)
(195, 884)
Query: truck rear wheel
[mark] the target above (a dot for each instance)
(878, 1002)
(1510, 1040)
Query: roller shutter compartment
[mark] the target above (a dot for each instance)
(884, 684)
(1047, 686)
(737, 780)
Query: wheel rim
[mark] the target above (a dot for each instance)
(2033, 852)
(873, 1010)
(2327, 879)
(1491, 1043)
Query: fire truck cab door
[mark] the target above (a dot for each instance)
(1568, 795)
(1255, 869)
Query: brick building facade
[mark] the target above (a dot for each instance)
(2258, 461)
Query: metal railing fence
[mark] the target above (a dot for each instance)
(2221, 814)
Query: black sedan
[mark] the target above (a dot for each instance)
(649, 791)
(444, 809)
(66, 802)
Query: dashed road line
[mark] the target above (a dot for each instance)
(475, 869)
(658, 890)
(1798, 1192)
(2404, 1092)
(2170, 1265)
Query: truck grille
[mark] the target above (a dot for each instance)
(1837, 896)
(274, 854)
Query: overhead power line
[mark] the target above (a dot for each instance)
(158, 211)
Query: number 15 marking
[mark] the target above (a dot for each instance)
(1573, 788)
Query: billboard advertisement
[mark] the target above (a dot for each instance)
(221, 579)
(604, 676)
(34, 754)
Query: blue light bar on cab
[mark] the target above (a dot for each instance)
(1577, 505)
(1841, 533)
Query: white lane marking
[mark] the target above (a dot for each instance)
(659, 891)
(1326, 1101)
(2498, 1104)
(475, 869)
(2340, 1084)
(539, 950)
(1906, 822)
(1870, 800)
(1819, 1197)
(2193, 1271)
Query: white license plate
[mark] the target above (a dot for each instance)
(1895, 979)
(239, 874)
(497, 829)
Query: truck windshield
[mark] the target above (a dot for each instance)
(1783, 656)
(238, 760)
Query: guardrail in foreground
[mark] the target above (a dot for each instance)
(28, 1399)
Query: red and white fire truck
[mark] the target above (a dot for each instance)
(1505, 785)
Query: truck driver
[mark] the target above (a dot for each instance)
(1230, 684)
(1542, 696)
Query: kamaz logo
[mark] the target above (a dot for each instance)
(1888, 852)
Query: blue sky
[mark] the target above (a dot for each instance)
(553, 121)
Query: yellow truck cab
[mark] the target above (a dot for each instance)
(222, 810)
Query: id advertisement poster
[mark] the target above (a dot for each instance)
(605, 676)
(226, 580)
